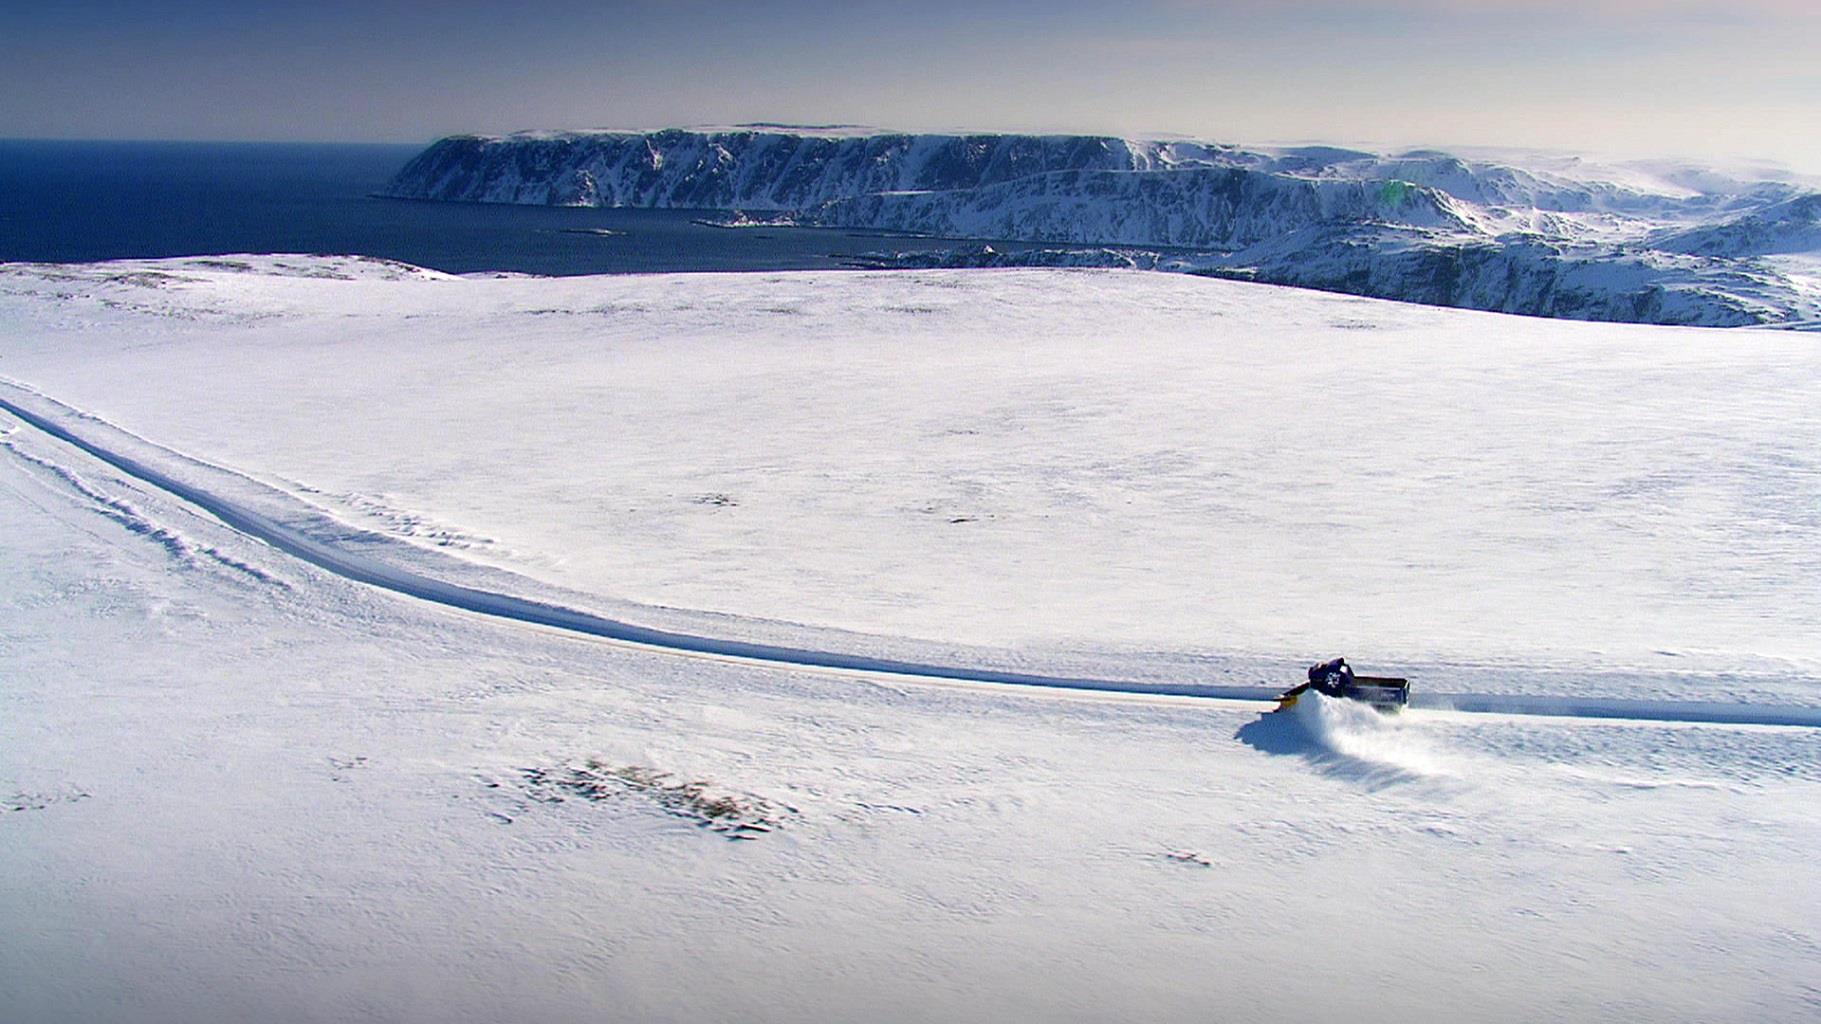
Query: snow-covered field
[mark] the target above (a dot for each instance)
(234, 785)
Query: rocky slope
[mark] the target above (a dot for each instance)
(1660, 244)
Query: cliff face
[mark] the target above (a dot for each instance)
(1223, 208)
(1423, 226)
(1531, 278)
(750, 170)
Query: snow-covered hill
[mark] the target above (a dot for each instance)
(1789, 226)
(1546, 237)
(1025, 460)
(238, 785)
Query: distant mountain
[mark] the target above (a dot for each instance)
(1647, 243)
(1790, 226)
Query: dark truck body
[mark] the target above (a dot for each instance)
(1382, 692)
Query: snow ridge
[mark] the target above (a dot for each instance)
(1634, 243)
(179, 547)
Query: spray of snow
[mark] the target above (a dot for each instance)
(1354, 730)
(1350, 739)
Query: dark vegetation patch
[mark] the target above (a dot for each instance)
(737, 816)
(40, 801)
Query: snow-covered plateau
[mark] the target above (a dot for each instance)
(377, 644)
(1538, 234)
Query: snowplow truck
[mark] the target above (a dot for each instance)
(1335, 678)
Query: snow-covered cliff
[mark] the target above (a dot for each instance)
(1661, 244)
(1199, 207)
(749, 169)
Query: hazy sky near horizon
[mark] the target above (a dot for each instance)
(1737, 79)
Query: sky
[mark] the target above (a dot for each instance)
(1736, 80)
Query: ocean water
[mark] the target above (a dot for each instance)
(85, 201)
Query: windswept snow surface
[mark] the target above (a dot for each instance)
(306, 534)
(1058, 463)
(236, 786)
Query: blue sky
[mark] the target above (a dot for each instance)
(1627, 77)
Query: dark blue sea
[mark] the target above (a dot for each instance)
(83, 201)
